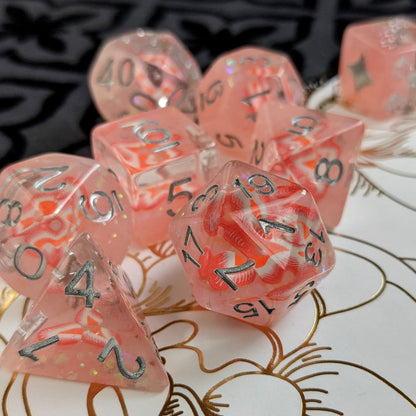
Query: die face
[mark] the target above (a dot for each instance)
(45, 202)
(237, 84)
(83, 328)
(142, 71)
(315, 149)
(251, 240)
(162, 158)
(377, 67)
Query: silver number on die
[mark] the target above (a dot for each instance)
(56, 171)
(93, 199)
(111, 345)
(328, 167)
(42, 262)
(11, 205)
(304, 128)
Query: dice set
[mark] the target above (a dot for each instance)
(251, 234)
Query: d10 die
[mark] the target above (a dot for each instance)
(318, 150)
(161, 158)
(252, 244)
(83, 327)
(141, 71)
(237, 84)
(377, 67)
(44, 203)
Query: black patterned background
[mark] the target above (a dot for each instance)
(46, 47)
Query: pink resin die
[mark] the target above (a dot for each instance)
(161, 158)
(141, 71)
(252, 244)
(316, 149)
(377, 67)
(44, 203)
(232, 91)
(83, 327)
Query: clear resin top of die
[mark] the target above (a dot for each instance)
(377, 67)
(141, 71)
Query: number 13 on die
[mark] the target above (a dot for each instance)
(252, 244)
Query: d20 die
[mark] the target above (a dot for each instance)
(252, 244)
(237, 84)
(318, 150)
(161, 158)
(142, 71)
(44, 203)
(377, 67)
(83, 327)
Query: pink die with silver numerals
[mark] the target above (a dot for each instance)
(377, 67)
(252, 244)
(141, 71)
(161, 158)
(316, 149)
(87, 326)
(234, 88)
(45, 202)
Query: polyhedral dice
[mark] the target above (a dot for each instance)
(252, 244)
(87, 326)
(161, 158)
(233, 89)
(141, 71)
(44, 203)
(318, 150)
(377, 67)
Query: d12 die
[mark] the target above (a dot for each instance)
(141, 71)
(44, 203)
(237, 84)
(83, 327)
(252, 244)
(377, 67)
(161, 158)
(318, 150)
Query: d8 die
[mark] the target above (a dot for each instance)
(377, 67)
(83, 327)
(161, 158)
(237, 84)
(318, 150)
(44, 203)
(252, 244)
(141, 71)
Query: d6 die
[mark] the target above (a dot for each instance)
(44, 203)
(237, 84)
(377, 67)
(161, 158)
(252, 244)
(141, 71)
(316, 149)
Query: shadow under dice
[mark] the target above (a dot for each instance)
(83, 327)
(232, 91)
(44, 203)
(141, 71)
(161, 158)
(378, 67)
(252, 244)
(318, 150)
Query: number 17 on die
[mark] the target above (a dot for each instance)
(252, 244)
